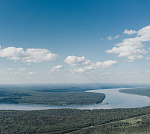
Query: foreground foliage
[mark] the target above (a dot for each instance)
(73, 121)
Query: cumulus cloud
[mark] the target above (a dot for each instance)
(111, 38)
(82, 61)
(57, 68)
(77, 61)
(129, 32)
(132, 48)
(29, 55)
(97, 65)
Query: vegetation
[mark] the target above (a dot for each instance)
(73, 121)
(49, 95)
(140, 91)
(69, 121)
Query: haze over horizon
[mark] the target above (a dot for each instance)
(74, 41)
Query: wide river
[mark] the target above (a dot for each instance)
(113, 99)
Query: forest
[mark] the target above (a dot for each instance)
(73, 121)
(49, 95)
(69, 121)
(140, 91)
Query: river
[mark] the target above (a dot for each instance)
(113, 99)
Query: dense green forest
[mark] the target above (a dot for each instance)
(140, 91)
(64, 95)
(73, 121)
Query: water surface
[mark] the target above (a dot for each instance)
(113, 99)
(116, 99)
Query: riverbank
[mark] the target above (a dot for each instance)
(145, 91)
(114, 99)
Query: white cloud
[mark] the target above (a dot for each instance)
(57, 68)
(132, 48)
(97, 65)
(129, 32)
(10, 69)
(77, 61)
(29, 55)
(147, 58)
(32, 73)
(117, 36)
(18, 73)
(22, 69)
(111, 38)
(80, 70)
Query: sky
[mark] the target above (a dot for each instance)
(74, 41)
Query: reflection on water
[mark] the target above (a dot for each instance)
(114, 99)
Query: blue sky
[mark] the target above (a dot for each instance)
(74, 41)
